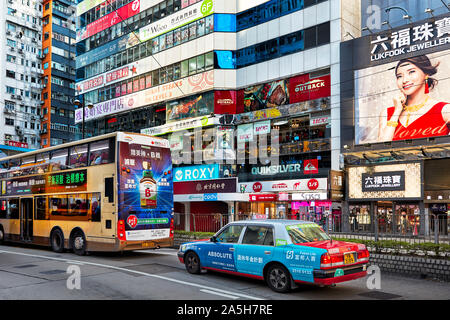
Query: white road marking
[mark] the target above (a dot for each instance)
(219, 294)
(173, 253)
(216, 290)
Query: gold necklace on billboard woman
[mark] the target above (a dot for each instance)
(413, 108)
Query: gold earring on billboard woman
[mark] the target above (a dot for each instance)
(414, 114)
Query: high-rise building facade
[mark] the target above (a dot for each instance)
(229, 72)
(21, 67)
(58, 64)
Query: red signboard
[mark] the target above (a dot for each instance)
(118, 74)
(313, 184)
(311, 166)
(303, 88)
(17, 144)
(263, 197)
(225, 102)
(92, 83)
(257, 186)
(111, 19)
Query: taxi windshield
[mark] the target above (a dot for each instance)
(306, 232)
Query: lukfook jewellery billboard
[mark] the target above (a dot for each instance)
(400, 82)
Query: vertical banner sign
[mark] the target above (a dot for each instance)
(145, 188)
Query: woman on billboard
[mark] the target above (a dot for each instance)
(415, 114)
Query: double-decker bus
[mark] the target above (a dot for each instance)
(108, 193)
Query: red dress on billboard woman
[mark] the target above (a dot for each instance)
(431, 124)
(414, 114)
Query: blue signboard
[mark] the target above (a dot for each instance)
(195, 173)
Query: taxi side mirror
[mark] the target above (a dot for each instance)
(213, 239)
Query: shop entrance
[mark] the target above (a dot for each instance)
(384, 214)
(439, 218)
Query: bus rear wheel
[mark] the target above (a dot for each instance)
(79, 243)
(57, 241)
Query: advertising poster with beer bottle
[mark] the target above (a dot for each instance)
(145, 190)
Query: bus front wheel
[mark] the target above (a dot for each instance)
(57, 241)
(79, 243)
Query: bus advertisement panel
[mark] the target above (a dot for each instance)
(145, 188)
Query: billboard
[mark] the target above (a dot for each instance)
(109, 20)
(401, 83)
(172, 90)
(397, 181)
(145, 187)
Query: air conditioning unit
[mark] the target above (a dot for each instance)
(8, 32)
(19, 97)
(12, 49)
(20, 51)
(17, 128)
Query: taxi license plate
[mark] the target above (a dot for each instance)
(349, 258)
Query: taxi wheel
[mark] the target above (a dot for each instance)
(192, 263)
(278, 278)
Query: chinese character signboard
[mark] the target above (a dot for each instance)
(73, 181)
(383, 181)
(394, 181)
(426, 35)
(227, 185)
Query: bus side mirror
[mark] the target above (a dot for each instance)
(213, 239)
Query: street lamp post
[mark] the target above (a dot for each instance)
(79, 104)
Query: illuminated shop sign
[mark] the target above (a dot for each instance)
(427, 35)
(200, 172)
(227, 185)
(284, 185)
(383, 181)
(396, 181)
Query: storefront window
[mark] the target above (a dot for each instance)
(360, 220)
(407, 219)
